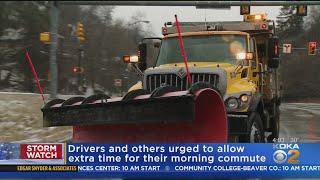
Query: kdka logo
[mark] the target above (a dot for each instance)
(286, 153)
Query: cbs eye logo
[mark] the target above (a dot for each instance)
(281, 156)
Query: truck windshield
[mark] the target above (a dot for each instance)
(209, 48)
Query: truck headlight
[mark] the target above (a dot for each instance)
(244, 98)
(237, 102)
(232, 103)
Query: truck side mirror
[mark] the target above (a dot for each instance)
(142, 53)
(273, 52)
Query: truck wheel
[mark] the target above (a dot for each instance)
(275, 127)
(255, 130)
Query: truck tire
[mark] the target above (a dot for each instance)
(275, 126)
(255, 130)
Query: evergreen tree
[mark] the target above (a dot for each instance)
(288, 23)
(106, 41)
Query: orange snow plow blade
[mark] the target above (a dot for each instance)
(173, 117)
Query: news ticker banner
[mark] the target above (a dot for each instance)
(159, 160)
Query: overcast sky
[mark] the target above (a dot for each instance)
(158, 15)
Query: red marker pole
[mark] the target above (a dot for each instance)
(183, 52)
(35, 75)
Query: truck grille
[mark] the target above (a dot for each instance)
(156, 80)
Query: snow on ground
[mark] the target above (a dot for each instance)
(21, 120)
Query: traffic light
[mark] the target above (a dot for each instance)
(301, 10)
(77, 69)
(273, 52)
(312, 48)
(244, 10)
(80, 32)
(45, 37)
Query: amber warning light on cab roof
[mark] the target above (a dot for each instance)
(254, 17)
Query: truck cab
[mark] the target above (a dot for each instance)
(239, 59)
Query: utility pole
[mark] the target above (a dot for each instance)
(81, 54)
(54, 16)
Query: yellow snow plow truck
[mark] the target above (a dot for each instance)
(233, 95)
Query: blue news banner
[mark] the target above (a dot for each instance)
(185, 160)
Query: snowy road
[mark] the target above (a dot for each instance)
(21, 120)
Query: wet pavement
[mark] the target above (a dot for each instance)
(301, 121)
